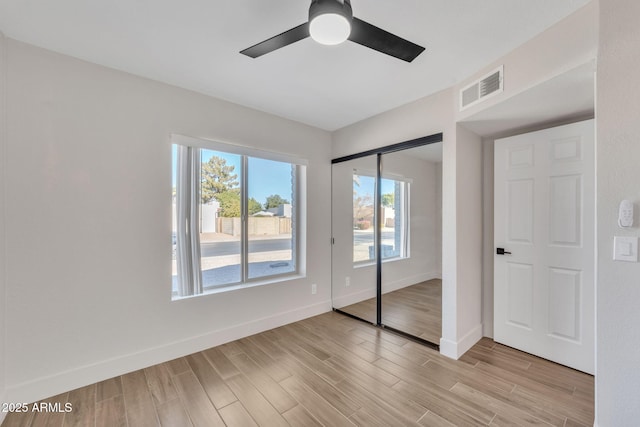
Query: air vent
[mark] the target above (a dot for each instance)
(481, 89)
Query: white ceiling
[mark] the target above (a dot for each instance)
(195, 43)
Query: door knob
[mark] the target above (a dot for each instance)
(501, 251)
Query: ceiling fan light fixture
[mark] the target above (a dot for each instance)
(330, 21)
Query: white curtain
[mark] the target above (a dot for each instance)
(187, 212)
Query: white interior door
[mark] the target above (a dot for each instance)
(544, 215)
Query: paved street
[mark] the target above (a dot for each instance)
(209, 249)
(366, 237)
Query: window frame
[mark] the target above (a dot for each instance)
(298, 206)
(406, 215)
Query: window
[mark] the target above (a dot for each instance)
(235, 216)
(394, 217)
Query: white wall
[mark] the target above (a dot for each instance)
(460, 171)
(88, 221)
(565, 45)
(3, 127)
(487, 237)
(462, 327)
(93, 291)
(423, 117)
(618, 178)
(423, 261)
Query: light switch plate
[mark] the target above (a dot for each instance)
(625, 248)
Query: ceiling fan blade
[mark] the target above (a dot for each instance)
(276, 42)
(383, 41)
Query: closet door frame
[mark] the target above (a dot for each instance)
(379, 152)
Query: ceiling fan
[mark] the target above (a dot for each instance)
(332, 22)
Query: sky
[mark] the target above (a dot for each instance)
(367, 186)
(266, 177)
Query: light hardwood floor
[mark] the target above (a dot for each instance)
(416, 310)
(334, 371)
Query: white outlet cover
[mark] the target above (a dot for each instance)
(625, 248)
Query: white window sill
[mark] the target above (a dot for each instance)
(237, 286)
(361, 264)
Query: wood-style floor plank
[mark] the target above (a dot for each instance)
(255, 403)
(111, 412)
(263, 360)
(431, 419)
(218, 391)
(269, 388)
(18, 419)
(415, 309)
(172, 413)
(83, 401)
(300, 417)
(196, 402)
(503, 410)
(54, 418)
(235, 415)
(461, 413)
(160, 383)
(382, 403)
(319, 408)
(108, 388)
(332, 370)
(140, 410)
(327, 390)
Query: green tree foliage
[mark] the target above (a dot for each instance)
(275, 200)
(218, 177)
(387, 200)
(229, 203)
(254, 206)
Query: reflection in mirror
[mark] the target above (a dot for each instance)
(353, 229)
(411, 221)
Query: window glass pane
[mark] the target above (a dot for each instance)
(363, 221)
(220, 225)
(271, 220)
(393, 218)
(213, 243)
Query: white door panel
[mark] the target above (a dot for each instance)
(544, 215)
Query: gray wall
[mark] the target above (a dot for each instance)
(618, 178)
(88, 221)
(3, 290)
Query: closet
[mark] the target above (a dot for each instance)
(387, 237)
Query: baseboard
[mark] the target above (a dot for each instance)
(487, 329)
(366, 294)
(455, 349)
(65, 381)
